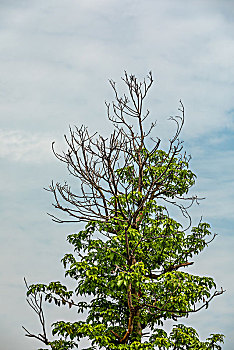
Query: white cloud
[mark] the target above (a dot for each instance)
(24, 146)
(56, 59)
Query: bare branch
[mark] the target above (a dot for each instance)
(35, 302)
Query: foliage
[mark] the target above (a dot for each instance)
(127, 260)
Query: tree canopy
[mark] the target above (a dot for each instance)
(130, 257)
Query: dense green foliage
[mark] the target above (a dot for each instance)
(129, 262)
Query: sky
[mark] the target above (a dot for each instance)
(56, 57)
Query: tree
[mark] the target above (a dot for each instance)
(129, 257)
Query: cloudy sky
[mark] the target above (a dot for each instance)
(56, 57)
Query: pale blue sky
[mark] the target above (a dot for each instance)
(56, 58)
